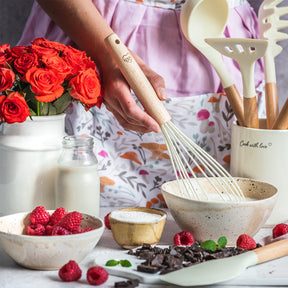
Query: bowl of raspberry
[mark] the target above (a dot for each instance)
(211, 217)
(47, 239)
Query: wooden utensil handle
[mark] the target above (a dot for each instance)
(272, 107)
(236, 103)
(251, 112)
(272, 251)
(281, 122)
(137, 79)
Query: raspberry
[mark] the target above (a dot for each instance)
(279, 230)
(70, 272)
(83, 230)
(35, 230)
(39, 216)
(246, 242)
(184, 238)
(97, 275)
(107, 222)
(48, 230)
(57, 215)
(58, 230)
(71, 221)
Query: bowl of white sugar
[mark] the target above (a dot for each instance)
(132, 227)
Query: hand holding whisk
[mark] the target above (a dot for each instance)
(183, 151)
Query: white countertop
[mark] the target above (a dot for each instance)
(271, 274)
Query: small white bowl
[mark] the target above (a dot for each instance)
(47, 252)
(210, 219)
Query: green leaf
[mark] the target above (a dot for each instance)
(112, 262)
(209, 245)
(62, 103)
(222, 242)
(125, 263)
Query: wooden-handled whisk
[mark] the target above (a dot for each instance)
(183, 151)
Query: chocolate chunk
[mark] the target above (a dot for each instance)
(157, 260)
(147, 268)
(127, 284)
(166, 260)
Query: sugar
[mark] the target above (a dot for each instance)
(135, 216)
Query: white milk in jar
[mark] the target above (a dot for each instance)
(77, 185)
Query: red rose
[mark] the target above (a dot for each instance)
(74, 58)
(3, 60)
(4, 48)
(7, 78)
(57, 64)
(48, 44)
(17, 51)
(44, 51)
(13, 108)
(46, 84)
(86, 88)
(26, 61)
(5, 55)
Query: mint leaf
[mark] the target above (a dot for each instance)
(222, 242)
(125, 263)
(209, 245)
(112, 263)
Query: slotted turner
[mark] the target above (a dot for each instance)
(245, 52)
(269, 24)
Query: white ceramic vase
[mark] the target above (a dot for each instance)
(28, 159)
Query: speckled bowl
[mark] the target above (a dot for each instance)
(211, 219)
(129, 234)
(47, 252)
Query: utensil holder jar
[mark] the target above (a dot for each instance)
(262, 154)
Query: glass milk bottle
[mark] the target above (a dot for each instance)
(77, 184)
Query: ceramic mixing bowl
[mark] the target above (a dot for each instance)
(134, 226)
(211, 219)
(47, 252)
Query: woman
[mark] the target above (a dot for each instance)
(133, 161)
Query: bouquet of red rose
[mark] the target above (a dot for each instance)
(44, 78)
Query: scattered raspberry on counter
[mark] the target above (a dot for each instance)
(246, 242)
(279, 230)
(97, 275)
(107, 222)
(70, 272)
(183, 238)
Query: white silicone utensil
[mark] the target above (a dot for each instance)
(245, 52)
(215, 271)
(269, 23)
(200, 19)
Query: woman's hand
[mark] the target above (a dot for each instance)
(119, 100)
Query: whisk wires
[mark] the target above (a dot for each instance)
(184, 152)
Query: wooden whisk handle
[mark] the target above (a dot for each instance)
(137, 79)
